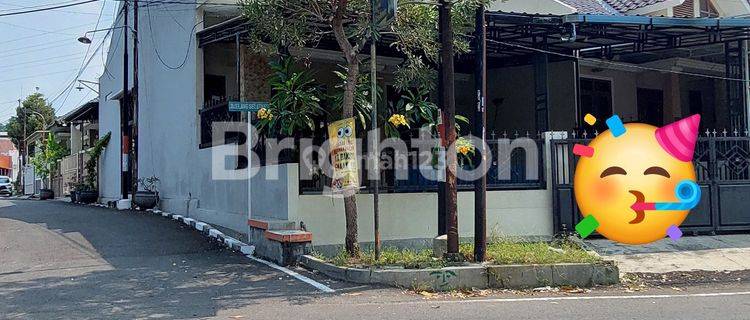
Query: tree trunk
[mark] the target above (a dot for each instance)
(350, 202)
(352, 63)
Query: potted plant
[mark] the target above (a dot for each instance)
(87, 192)
(51, 151)
(149, 196)
(74, 187)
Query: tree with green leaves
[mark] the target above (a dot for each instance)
(52, 150)
(35, 113)
(284, 24)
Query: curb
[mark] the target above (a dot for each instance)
(475, 277)
(207, 230)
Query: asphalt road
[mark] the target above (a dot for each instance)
(60, 261)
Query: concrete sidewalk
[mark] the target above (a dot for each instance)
(705, 253)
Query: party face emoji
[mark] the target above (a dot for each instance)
(635, 182)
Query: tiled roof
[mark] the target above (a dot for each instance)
(614, 7)
(6, 145)
(591, 7)
(627, 5)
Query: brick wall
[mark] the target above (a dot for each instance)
(254, 77)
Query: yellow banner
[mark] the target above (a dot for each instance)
(343, 142)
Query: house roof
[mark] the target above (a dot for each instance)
(6, 145)
(87, 111)
(612, 7)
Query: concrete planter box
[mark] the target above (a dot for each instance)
(475, 276)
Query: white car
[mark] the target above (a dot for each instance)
(6, 186)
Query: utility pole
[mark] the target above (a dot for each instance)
(23, 146)
(480, 131)
(449, 109)
(375, 130)
(124, 108)
(134, 126)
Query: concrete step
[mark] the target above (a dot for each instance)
(287, 236)
(271, 224)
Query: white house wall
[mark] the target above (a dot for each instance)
(110, 84)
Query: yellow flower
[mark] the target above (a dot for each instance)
(264, 113)
(398, 120)
(463, 150)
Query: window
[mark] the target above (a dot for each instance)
(596, 99)
(707, 9)
(216, 111)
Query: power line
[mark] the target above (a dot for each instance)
(44, 33)
(46, 62)
(34, 29)
(32, 7)
(47, 8)
(39, 48)
(37, 75)
(83, 62)
(41, 60)
(43, 45)
(156, 49)
(78, 74)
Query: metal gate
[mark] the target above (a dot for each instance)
(722, 165)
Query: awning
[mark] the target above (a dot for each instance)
(604, 36)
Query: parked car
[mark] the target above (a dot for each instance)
(6, 186)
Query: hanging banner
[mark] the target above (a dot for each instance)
(343, 142)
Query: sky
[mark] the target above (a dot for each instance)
(40, 52)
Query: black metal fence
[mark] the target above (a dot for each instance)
(722, 165)
(512, 171)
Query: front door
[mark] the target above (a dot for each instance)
(651, 106)
(596, 99)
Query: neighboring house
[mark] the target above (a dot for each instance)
(34, 142)
(541, 81)
(9, 165)
(83, 129)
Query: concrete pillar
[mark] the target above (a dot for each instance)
(75, 139)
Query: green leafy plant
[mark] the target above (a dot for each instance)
(294, 104)
(90, 165)
(362, 100)
(51, 151)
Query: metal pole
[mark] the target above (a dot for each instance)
(125, 104)
(479, 130)
(449, 109)
(134, 127)
(25, 152)
(375, 132)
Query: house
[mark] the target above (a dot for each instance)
(9, 157)
(548, 64)
(83, 129)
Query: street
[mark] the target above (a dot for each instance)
(62, 261)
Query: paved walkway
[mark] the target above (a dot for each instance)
(707, 253)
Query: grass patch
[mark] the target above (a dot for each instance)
(389, 257)
(508, 252)
(499, 252)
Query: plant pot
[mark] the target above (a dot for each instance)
(88, 196)
(46, 194)
(73, 196)
(146, 199)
